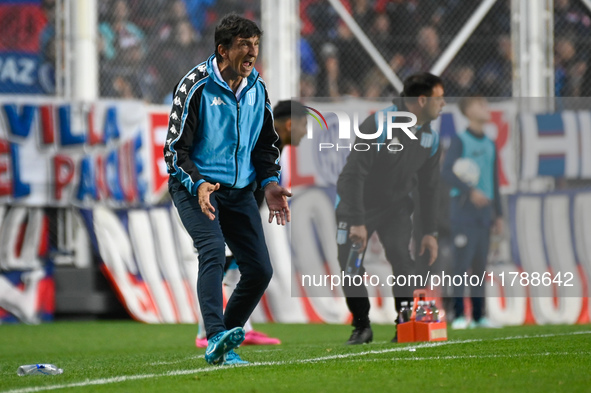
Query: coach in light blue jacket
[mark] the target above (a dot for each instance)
(219, 148)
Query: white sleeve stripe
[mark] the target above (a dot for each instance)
(186, 104)
(186, 75)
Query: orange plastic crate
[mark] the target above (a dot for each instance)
(421, 331)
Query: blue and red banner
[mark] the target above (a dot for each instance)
(27, 289)
(550, 236)
(24, 37)
(56, 153)
(556, 144)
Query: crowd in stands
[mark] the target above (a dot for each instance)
(145, 47)
(412, 34)
(572, 49)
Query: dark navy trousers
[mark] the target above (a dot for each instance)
(471, 236)
(394, 228)
(237, 223)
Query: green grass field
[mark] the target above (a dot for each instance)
(126, 356)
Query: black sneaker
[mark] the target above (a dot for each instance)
(360, 336)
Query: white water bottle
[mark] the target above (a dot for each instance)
(404, 313)
(435, 311)
(38, 369)
(420, 312)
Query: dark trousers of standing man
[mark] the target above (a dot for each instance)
(470, 255)
(238, 223)
(471, 236)
(394, 228)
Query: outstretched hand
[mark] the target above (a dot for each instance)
(276, 197)
(204, 192)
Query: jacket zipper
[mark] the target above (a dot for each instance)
(238, 128)
(238, 145)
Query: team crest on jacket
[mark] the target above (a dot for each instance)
(427, 140)
(251, 97)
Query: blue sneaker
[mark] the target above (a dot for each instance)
(460, 323)
(232, 358)
(484, 322)
(222, 343)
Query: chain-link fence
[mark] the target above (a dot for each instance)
(572, 48)
(484, 64)
(572, 63)
(147, 46)
(412, 35)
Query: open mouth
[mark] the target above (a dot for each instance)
(247, 64)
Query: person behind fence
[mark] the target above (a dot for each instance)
(220, 145)
(374, 193)
(470, 168)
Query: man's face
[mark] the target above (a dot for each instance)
(435, 103)
(242, 55)
(298, 129)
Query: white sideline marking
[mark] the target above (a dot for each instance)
(460, 357)
(123, 378)
(265, 350)
(187, 359)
